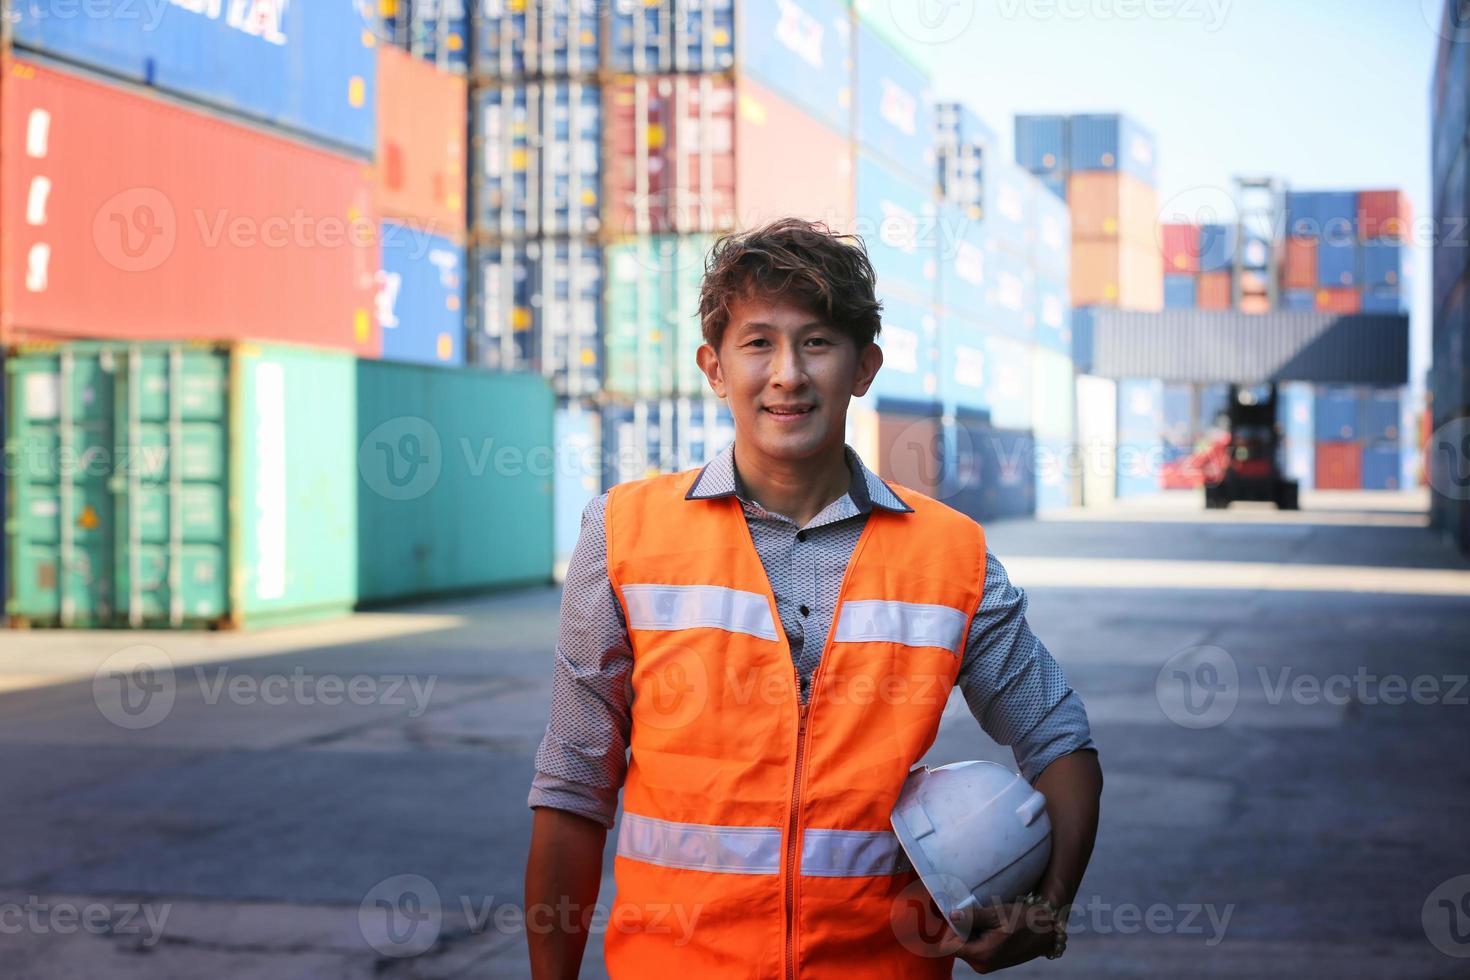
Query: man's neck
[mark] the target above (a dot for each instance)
(799, 489)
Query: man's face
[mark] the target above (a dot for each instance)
(787, 376)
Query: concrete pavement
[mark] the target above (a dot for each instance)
(1279, 701)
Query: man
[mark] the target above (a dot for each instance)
(759, 764)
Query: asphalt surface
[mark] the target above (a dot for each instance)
(1280, 703)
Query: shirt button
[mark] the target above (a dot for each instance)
(801, 535)
(805, 611)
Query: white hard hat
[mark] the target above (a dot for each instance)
(976, 833)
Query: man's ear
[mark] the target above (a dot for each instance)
(709, 363)
(869, 361)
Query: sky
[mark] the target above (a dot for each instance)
(1326, 94)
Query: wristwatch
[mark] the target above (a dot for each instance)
(1059, 922)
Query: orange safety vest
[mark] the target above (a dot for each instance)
(755, 840)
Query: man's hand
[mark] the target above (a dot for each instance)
(1007, 935)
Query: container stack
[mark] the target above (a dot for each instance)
(1344, 251)
(1105, 167)
(1198, 263)
(1449, 381)
(201, 263)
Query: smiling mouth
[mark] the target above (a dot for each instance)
(781, 413)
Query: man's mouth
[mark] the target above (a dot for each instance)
(789, 411)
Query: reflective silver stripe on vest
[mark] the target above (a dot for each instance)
(700, 847)
(757, 850)
(682, 607)
(913, 624)
(851, 853)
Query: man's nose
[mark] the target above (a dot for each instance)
(787, 369)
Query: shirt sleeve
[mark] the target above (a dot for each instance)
(1013, 686)
(582, 760)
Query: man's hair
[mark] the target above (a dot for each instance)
(803, 262)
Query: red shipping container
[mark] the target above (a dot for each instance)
(1214, 291)
(1383, 214)
(1181, 248)
(714, 155)
(1300, 269)
(1339, 299)
(1339, 466)
(421, 143)
(130, 217)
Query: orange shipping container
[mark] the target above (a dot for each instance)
(707, 154)
(1383, 214)
(1214, 291)
(129, 217)
(1124, 275)
(1339, 300)
(1255, 303)
(1300, 271)
(1113, 205)
(421, 143)
(1339, 466)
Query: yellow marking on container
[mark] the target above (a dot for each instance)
(445, 347)
(88, 520)
(520, 318)
(357, 92)
(362, 326)
(752, 109)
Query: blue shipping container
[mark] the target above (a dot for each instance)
(306, 67)
(1007, 291)
(1140, 466)
(1299, 300)
(1113, 142)
(1177, 407)
(1057, 186)
(1337, 262)
(1214, 400)
(1049, 235)
(896, 218)
(962, 268)
(578, 479)
(1315, 214)
(1382, 263)
(802, 50)
(1053, 315)
(1381, 466)
(1055, 461)
(1179, 292)
(962, 363)
(1295, 412)
(1007, 191)
(1041, 145)
(989, 471)
(541, 310)
(956, 124)
(421, 296)
(895, 116)
(666, 435)
(909, 339)
(563, 36)
(1216, 248)
(1337, 410)
(670, 36)
(435, 30)
(1380, 414)
(1009, 377)
(1140, 409)
(961, 184)
(536, 159)
(1299, 460)
(1383, 299)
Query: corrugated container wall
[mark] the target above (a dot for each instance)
(421, 144)
(651, 316)
(307, 67)
(421, 296)
(128, 216)
(255, 525)
(646, 437)
(895, 106)
(454, 480)
(436, 31)
(538, 39)
(540, 309)
(896, 217)
(536, 155)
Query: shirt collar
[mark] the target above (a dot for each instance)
(867, 490)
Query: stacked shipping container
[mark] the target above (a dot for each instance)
(1450, 371)
(1344, 251)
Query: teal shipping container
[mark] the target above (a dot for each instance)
(454, 484)
(173, 485)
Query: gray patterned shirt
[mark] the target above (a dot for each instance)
(1010, 682)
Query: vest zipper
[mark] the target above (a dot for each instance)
(791, 832)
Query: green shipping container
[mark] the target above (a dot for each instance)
(178, 485)
(456, 468)
(651, 322)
